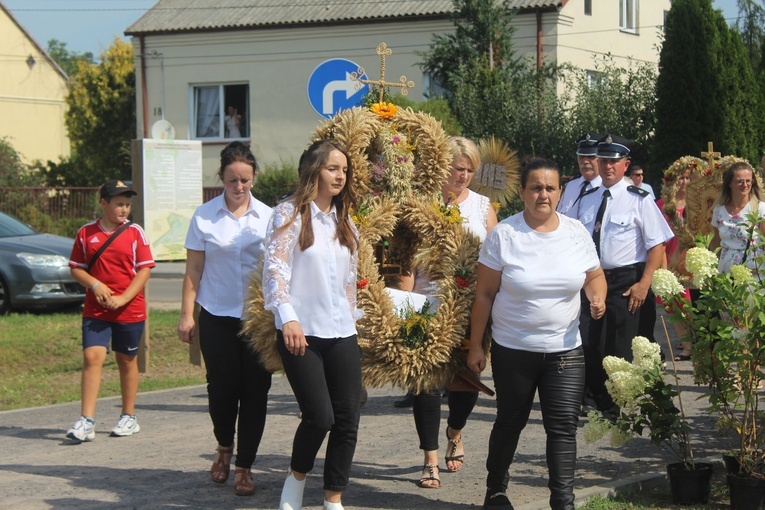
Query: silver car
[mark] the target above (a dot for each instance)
(34, 268)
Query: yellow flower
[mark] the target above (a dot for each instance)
(384, 110)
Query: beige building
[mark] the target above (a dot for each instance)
(33, 89)
(265, 70)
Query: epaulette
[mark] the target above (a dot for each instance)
(639, 191)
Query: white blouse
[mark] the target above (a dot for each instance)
(474, 211)
(232, 247)
(316, 287)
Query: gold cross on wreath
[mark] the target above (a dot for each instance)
(710, 155)
(383, 51)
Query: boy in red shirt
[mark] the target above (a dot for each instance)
(114, 305)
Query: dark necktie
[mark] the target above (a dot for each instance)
(599, 220)
(581, 192)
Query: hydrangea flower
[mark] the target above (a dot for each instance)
(702, 263)
(741, 274)
(665, 284)
(646, 354)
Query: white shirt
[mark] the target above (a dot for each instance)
(316, 287)
(232, 247)
(537, 306)
(648, 188)
(474, 211)
(569, 205)
(632, 225)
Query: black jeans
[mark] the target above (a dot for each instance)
(426, 408)
(327, 386)
(237, 385)
(559, 377)
(612, 334)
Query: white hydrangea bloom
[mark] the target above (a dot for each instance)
(618, 438)
(665, 284)
(702, 263)
(596, 427)
(741, 274)
(646, 354)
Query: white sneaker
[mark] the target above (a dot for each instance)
(127, 426)
(82, 430)
(292, 493)
(332, 506)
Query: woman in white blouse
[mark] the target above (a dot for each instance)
(309, 283)
(223, 245)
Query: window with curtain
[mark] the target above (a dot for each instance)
(628, 15)
(220, 111)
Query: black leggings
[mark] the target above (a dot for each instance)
(237, 385)
(427, 414)
(518, 375)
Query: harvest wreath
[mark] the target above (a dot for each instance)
(400, 159)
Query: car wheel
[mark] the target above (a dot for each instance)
(5, 297)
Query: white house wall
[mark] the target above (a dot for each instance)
(276, 63)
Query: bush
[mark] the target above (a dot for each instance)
(274, 182)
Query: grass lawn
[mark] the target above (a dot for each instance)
(41, 359)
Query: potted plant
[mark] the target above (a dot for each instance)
(726, 326)
(646, 405)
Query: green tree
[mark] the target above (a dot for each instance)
(437, 107)
(482, 35)
(751, 25)
(67, 60)
(101, 118)
(13, 171)
(705, 87)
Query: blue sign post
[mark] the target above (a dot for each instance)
(330, 88)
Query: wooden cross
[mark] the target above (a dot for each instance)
(383, 51)
(385, 269)
(710, 155)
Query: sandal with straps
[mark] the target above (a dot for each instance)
(243, 482)
(451, 452)
(222, 464)
(431, 477)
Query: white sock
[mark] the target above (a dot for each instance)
(292, 494)
(332, 506)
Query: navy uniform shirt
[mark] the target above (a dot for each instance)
(632, 224)
(568, 205)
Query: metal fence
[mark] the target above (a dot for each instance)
(57, 203)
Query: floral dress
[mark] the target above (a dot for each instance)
(733, 237)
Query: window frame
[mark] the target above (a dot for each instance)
(588, 7)
(629, 10)
(220, 113)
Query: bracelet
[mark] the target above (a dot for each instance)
(93, 287)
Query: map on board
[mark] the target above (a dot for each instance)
(172, 189)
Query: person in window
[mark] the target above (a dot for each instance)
(233, 119)
(223, 245)
(531, 269)
(309, 283)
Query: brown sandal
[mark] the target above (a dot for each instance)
(451, 452)
(243, 482)
(222, 464)
(431, 477)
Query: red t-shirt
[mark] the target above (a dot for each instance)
(115, 268)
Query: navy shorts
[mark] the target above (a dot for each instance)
(124, 337)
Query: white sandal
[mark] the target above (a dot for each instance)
(292, 493)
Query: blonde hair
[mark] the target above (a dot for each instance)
(461, 146)
(754, 192)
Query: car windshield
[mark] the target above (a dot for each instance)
(11, 227)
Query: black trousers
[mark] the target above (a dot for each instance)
(327, 386)
(426, 409)
(237, 385)
(559, 378)
(612, 334)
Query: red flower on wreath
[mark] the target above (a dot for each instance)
(462, 283)
(362, 284)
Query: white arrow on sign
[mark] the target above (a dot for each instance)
(347, 85)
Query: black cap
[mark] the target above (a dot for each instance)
(588, 144)
(116, 187)
(613, 147)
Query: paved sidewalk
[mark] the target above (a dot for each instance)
(166, 465)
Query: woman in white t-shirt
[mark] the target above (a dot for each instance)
(531, 269)
(309, 283)
(739, 196)
(478, 217)
(223, 245)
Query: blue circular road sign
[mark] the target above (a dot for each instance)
(330, 88)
